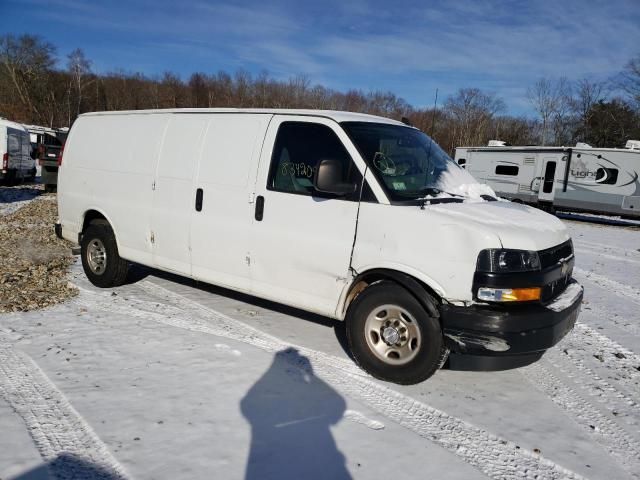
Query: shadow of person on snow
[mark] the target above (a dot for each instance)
(291, 411)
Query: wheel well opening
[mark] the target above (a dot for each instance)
(90, 217)
(414, 286)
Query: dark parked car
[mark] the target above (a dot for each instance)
(48, 155)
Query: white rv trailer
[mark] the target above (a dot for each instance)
(580, 178)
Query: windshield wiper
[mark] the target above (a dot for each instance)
(436, 191)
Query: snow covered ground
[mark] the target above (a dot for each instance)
(12, 198)
(166, 378)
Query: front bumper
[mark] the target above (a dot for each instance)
(506, 337)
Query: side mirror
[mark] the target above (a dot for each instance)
(328, 179)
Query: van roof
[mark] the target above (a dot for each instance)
(338, 116)
(8, 123)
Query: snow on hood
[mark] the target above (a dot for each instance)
(457, 181)
(518, 226)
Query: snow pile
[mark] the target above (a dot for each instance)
(457, 181)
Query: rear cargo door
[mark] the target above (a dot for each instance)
(173, 194)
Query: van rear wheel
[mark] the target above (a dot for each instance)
(393, 337)
(100, 260)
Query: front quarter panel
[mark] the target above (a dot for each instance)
(425, 244)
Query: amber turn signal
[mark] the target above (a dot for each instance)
(509, 294)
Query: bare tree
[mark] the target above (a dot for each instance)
(587, 94)
(630, 80)
(472, 111)
(544, 100)
(79, 68)
(27, 60)
(562, 118)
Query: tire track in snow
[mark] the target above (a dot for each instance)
(606, 432)
(606, 350)
(65, 441)
(496, 457)
(172, 316)
(627, 252)
(616, 320)
(612, 398)
(619, 289)
(588, 251)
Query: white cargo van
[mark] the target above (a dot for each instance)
(347, 215)
(15, 152)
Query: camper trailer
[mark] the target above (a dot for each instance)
(580, 178)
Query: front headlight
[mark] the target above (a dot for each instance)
(502, 260)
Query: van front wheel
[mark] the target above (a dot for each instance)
(393, 337)
(100, 260)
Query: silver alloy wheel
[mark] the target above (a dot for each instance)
(96, 256)
(392, 334)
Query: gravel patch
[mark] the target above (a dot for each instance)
(34, 262)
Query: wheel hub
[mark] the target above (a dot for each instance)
(97, 256)
(390, 335)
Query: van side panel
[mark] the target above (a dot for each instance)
(220, 232)
(174, 194)
(108, 166)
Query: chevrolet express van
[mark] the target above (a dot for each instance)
(15, 153)
(351, 216)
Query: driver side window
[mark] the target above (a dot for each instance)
(298, 148)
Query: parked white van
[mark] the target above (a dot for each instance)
(352, 216)
(15, 152)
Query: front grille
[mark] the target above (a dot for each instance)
(553, 289)
(551, 256)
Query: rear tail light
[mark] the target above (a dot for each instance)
(5, 161)
(60, 155)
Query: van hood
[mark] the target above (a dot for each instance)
(517, 226)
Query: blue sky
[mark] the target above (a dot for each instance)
(408, 47)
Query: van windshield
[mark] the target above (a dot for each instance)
(407, 163)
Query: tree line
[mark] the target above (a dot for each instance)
(33, 90)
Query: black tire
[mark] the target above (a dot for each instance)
(113, 270)
(11, 178)
(430, 352)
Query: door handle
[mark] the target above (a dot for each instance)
(259, 208)
(199, 194)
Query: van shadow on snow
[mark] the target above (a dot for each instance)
(17, 194)
(290, 411)
(140, 272)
